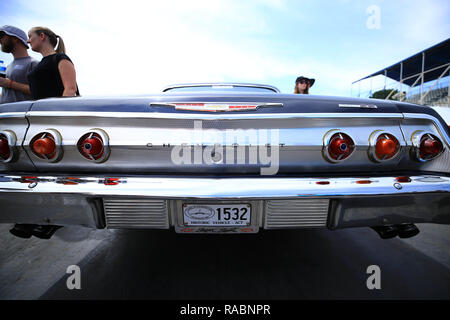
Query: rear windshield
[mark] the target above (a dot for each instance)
(217, 88)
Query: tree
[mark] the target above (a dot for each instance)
(382, 94)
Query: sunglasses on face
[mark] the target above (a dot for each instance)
(303, 82)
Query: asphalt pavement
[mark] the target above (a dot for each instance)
(281, 264)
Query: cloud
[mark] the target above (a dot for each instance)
(425, 23)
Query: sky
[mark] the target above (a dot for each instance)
(131, 47)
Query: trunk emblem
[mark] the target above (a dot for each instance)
(216, 107)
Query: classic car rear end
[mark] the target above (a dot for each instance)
(233, 159)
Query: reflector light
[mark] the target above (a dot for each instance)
(111, 181)
(323, 182)
(70, 181)
(46, 145)
(403, 179)
(28, 179)
(364, 182)
(338, 147)
(94, 145)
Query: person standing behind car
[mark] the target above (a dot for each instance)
(15, 84)
(302, 85)
(55, 75)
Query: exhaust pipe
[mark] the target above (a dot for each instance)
(407, 230)
(27, 230)
(23, 230)
(386, 232)
(44, 232)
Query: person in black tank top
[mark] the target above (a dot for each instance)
(55, 75)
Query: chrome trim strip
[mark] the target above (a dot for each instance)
(226, 188)
(203, 116)
(439, 126)
(9, 115)
(223, 84)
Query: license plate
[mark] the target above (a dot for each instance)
(219, 215)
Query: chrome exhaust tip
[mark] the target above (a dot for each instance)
(44, 232)
(386, 232)
(407, 230)
(22, 230)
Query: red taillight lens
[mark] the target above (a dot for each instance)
(340, 146)
(94, 145)
(44, 146)
(5, 151)
(111, 181)
(403, 179)
(430, 147)
(386, 146)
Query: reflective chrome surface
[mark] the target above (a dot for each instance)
(227, 188)
(306, 213)
(148, 142)
(276, 202)
(136, 213)
(251, 85)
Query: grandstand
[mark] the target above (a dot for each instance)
(423, 78)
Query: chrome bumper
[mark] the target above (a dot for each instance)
(154, 202)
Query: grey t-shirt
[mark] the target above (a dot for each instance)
(17, 71)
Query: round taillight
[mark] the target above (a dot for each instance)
(46, 145)
(339, 146)
(386, 147)
(7, 144)
(383, 146)
(426, 146)
(5, 152)
(430, 147)
(94, 145)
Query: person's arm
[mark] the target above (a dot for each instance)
(14, 85)
(68, 77)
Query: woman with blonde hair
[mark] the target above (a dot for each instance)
(55, 75)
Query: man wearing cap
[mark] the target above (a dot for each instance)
(302, 85)
(15, 85)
